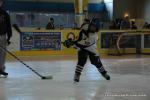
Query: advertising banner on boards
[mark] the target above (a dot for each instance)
(40, 41)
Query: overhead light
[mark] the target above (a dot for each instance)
(126, 15)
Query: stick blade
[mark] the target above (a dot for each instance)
(47, 77)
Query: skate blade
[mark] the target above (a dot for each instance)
(76, 83)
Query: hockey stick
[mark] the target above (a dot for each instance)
(15, 26)
(42, 77)
(83, 49)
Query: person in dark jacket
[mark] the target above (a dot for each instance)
(5, 35)
(50, 24)
(125, 24)
(133, 25)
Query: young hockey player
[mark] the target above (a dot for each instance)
(86, 45)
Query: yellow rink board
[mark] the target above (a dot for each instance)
(66, 51)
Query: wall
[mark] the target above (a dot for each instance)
(15, 40)
(63, 1)
(45, 0)
(55, 5)
(15, 46)
(134, 8)
(147, 11)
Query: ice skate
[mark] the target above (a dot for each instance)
(106, 76)
(3, 74)
(76, 78)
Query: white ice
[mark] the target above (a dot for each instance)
(130, 80)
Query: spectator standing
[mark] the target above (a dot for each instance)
(5, 35)
(50, 24)
(125, 24)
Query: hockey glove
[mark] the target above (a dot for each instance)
(68, 43)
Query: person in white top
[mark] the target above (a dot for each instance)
(85, 24)
(86, 45)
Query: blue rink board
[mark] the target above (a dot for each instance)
(40, 41)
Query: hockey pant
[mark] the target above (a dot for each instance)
(95, 60)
